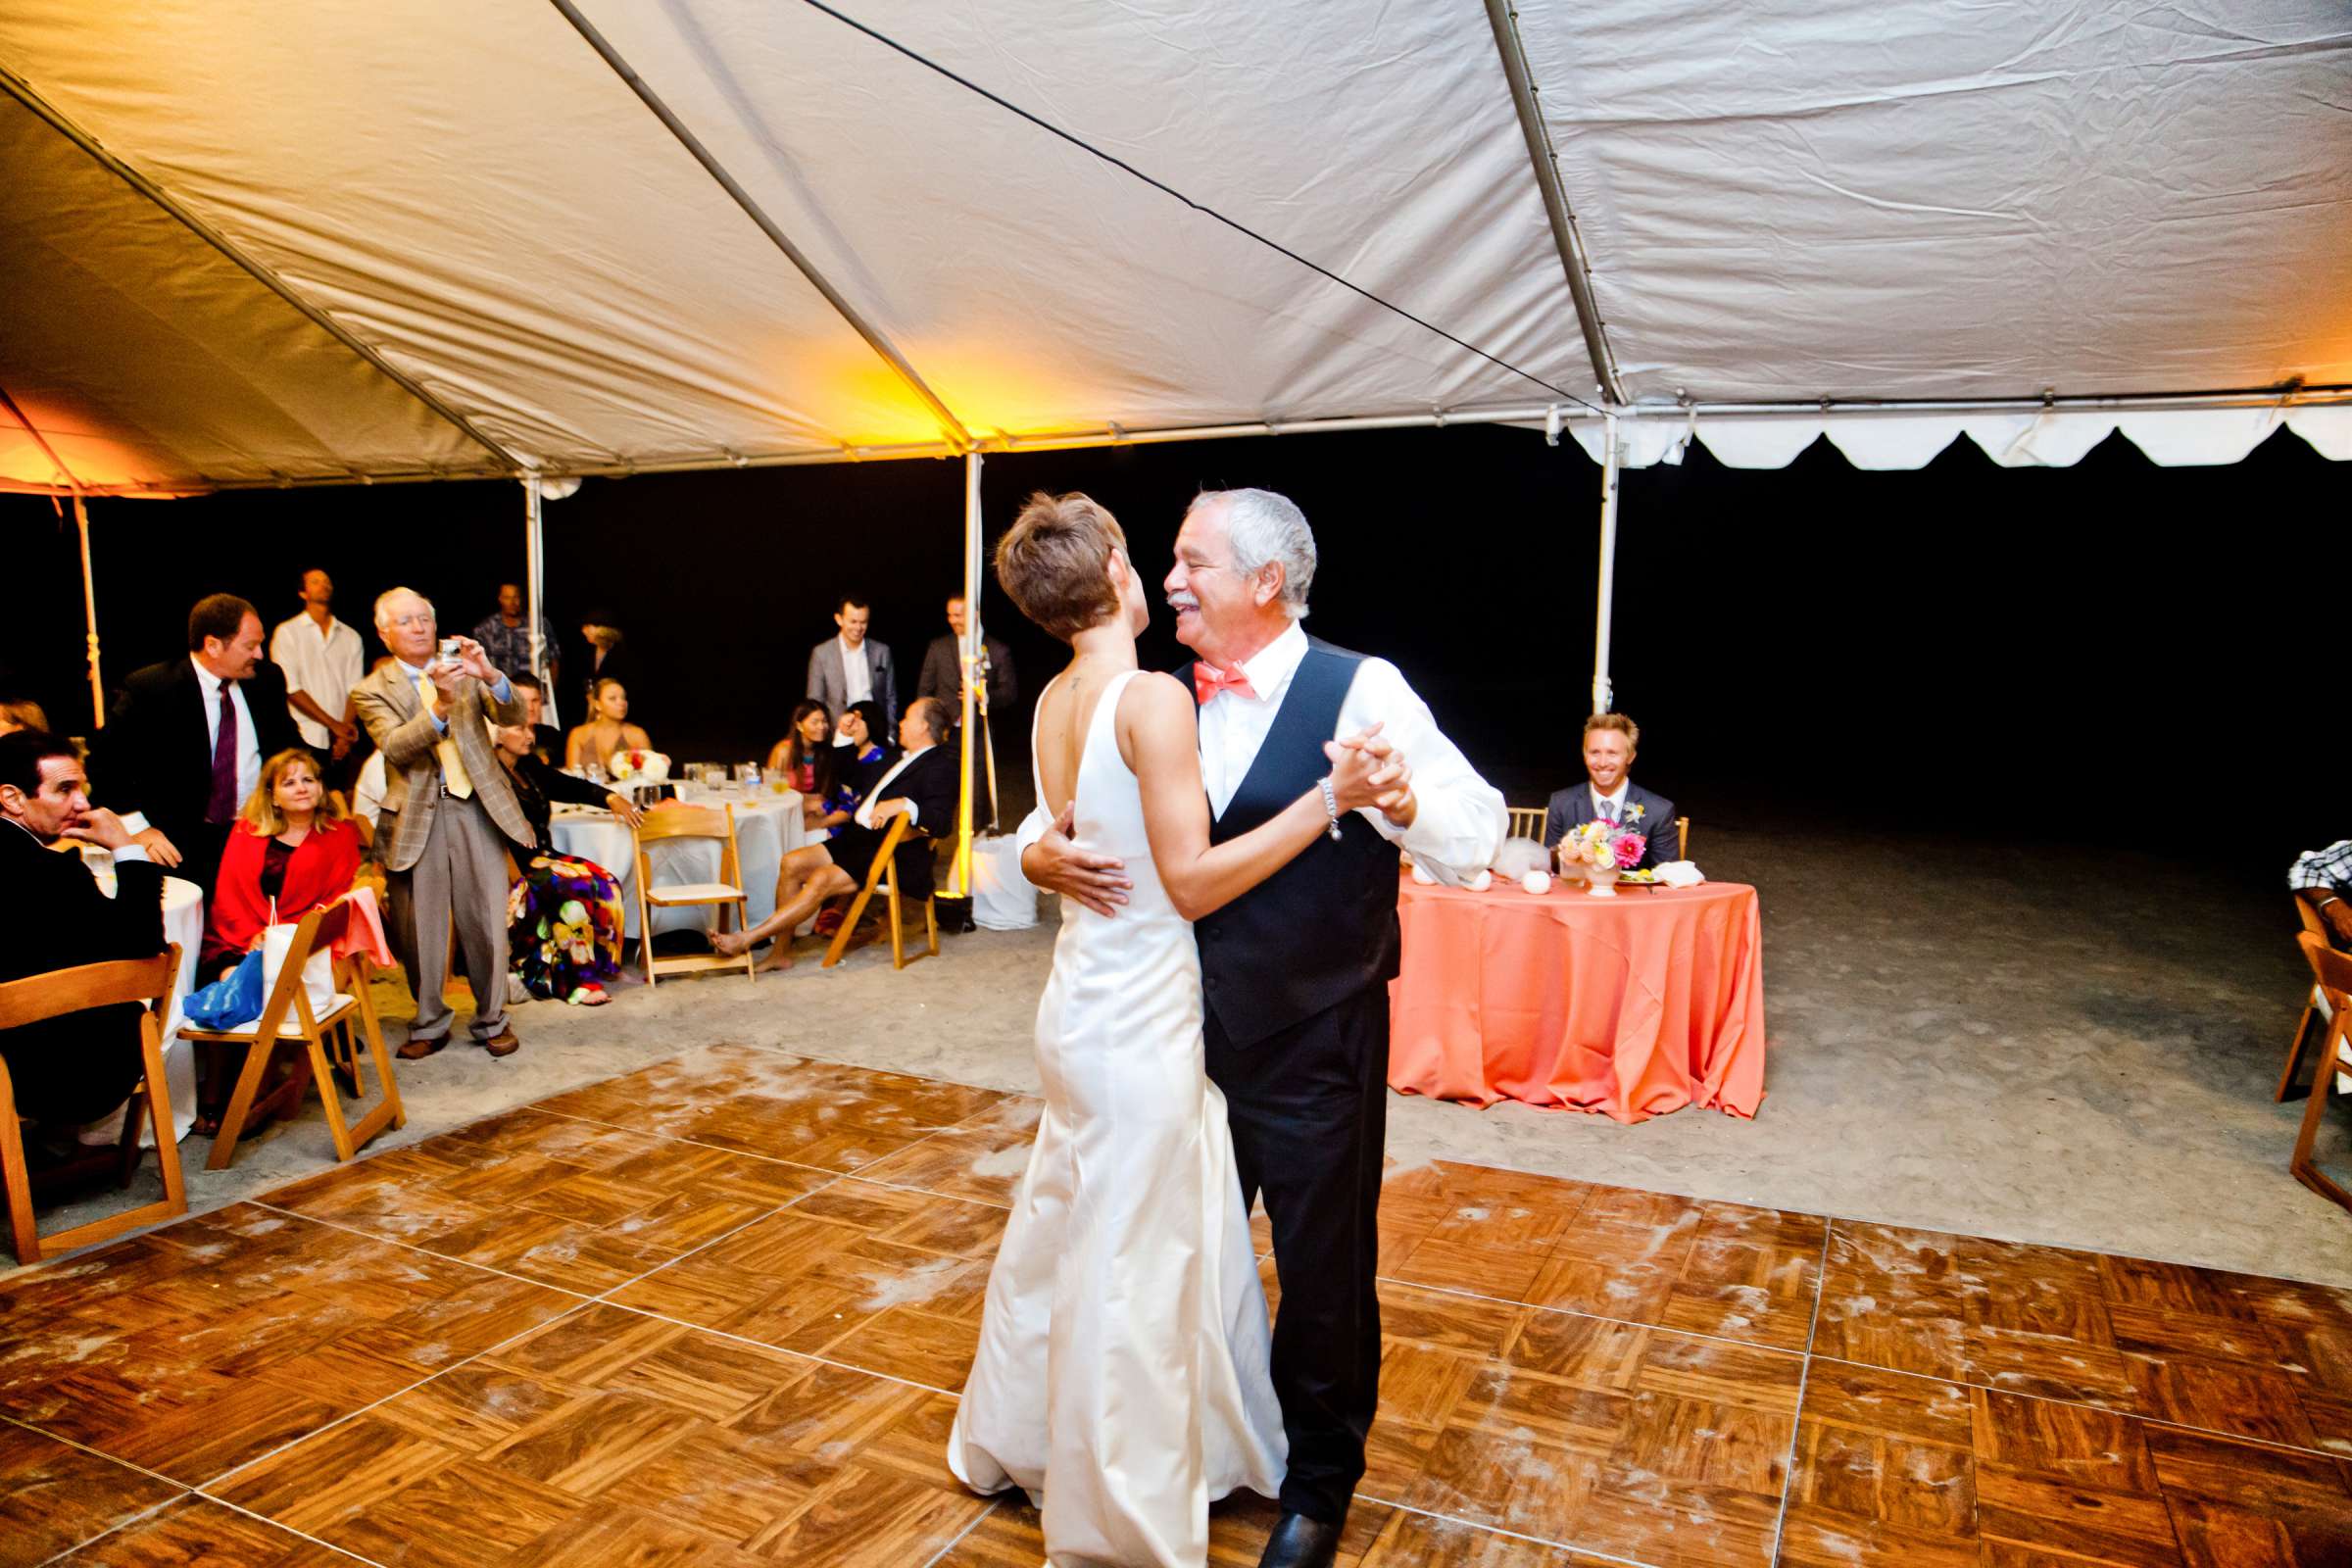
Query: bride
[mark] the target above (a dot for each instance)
(1122, 1377)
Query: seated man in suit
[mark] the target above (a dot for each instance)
(922, 787)
(1608, 792)
(78, 1067)
(185, 744)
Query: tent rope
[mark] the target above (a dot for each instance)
(1205, 210)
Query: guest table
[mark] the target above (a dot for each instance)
(1632, 1006)
(768, 827)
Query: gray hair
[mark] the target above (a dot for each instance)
(385, 599)
(1264, 530)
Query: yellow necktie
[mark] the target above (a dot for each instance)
(453, 766)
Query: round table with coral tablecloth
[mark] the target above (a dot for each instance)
(1632, 1006)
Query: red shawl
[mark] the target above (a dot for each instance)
(320, 873)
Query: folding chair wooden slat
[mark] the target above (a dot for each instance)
(671, 821)
(1527, 821)
(2333, 970)
(883, 873)
(287, 1019)
(41, 997)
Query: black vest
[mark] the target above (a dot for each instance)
(1324, 927)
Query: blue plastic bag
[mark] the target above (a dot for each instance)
(227, 1004)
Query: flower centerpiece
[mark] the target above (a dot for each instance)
(638, 767)
(1603, 850)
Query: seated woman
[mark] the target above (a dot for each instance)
(869, 749)
(807, 761)
(563, 918)
(292, 850)
(608, 729)
(292, 843)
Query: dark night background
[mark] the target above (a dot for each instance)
(2108, 653)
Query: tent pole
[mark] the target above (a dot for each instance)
(534, 565)
(89, 607)
(1602, 694)
(969, 660)
(1505, 20)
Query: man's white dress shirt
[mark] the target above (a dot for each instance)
(323, 664)
(856, 682)
(864, 814)
(1460, 819)
(249, 745)
(1614, 802)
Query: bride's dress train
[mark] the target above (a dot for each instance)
(1122, 1377)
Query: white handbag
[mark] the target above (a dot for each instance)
(318, 975)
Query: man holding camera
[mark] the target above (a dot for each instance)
(446, 814)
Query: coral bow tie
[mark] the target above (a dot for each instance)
(1208, 680)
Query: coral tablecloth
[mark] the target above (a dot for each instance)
(1632, 1006)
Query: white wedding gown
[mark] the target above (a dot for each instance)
(1121, 1379)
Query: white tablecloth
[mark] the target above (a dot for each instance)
(183, 923)
(768, 827)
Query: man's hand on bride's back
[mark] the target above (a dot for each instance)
(1059, 865)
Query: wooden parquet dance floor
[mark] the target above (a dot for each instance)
(715, 1313)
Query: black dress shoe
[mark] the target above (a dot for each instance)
(1301, 1543)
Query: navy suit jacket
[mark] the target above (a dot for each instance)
(155, 753)
(1573, 808)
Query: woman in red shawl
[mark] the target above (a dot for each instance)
(291, 844)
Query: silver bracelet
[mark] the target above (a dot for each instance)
(1331, 802)
(2331, 899)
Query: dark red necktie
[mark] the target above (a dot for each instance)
(221, 807)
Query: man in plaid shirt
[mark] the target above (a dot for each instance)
(2322, 878)
(506, 637)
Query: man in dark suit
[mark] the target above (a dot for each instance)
(1608, 792)
(851, 667)
(922, 787)
(187, 743)
(942, 677)
(77, 1069)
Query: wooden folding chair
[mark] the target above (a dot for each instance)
(42, 997)
(1527, 822)
(2315, 1004)
(2332, 971)
(884, 873)
(1683, 845)
(286, 1019)
(674, 821)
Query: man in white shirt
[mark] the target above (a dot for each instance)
(1609, 792)
(922, 787)
(323, 660)
(1294, 972)
(851, 667)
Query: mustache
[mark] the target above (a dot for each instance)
(1183, 602)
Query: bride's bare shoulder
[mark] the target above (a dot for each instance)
(1153, 696)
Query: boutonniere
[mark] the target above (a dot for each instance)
(1633, 813)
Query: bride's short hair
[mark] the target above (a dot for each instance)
(1054, 562)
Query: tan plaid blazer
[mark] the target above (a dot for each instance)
(402, 729)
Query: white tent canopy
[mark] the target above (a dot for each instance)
(252, 243)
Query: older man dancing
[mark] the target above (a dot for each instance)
(1296, 971)
(446, 803)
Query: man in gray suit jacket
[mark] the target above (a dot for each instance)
(448, 813)
(1609, 742)
(851, 667)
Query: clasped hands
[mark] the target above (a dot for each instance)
(1367, 770)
